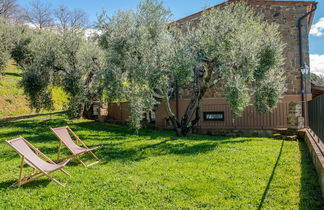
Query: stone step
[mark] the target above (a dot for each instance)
(291, 138)
(285, 137)
(285, 132)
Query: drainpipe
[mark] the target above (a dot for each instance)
(301, 57)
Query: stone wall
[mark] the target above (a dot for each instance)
(316, 150)
(295, 117)
(286, 14)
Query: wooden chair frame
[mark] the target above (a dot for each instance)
(77, 156)
(35, 175)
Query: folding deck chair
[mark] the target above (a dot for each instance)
(62, 133)
(29, 154)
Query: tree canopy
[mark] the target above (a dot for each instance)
(138, 46)
(142, 57)
(317, 79)
(8, 37)
(53, 55)
(228, 48)
(66, 60)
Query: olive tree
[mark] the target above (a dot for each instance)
(240, 55)
(4, 52)
(11, 37)
(229, 48)
(20, 51)
(137, 44)
(7, 38)
(66, 60)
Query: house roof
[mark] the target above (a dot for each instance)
(308, 4)
(317, 90)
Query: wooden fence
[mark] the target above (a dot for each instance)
(251, 119)
(316, 116)
(118, 111)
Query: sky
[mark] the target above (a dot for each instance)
(183, 8)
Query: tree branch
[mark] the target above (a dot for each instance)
(168, 110)
(58, 68)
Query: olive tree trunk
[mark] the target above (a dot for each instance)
(183, 126)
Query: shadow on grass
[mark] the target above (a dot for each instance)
(271, 177)
(110, 152)
(310, 193)
(116, 137)
(5, 121)
(37, 131)
(7, 184)
(41, 129)
(13, 74)
(103, 131)
(123, 131)
(33, 184)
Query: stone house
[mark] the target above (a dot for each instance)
(295, 20)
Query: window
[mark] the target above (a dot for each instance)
(214, 116)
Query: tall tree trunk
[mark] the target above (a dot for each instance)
(200, 87)
(82, 109)
(88, 86)
(172, 117)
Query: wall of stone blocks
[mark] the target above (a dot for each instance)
(286, 14)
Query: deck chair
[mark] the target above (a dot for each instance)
(29, 154)
(62, 133)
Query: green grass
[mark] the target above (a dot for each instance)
(13, 102)
(12, 98)
(154, 169)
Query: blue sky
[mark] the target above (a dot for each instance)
(182, 8)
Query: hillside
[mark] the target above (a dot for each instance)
(12, 98)
(13, 102)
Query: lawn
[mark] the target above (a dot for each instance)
(154, 169)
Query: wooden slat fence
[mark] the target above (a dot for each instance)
(316, 116)
(251, 119)
(118, 111)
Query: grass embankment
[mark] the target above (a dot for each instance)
(154, 169)
(12, 98)
(13, 102)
